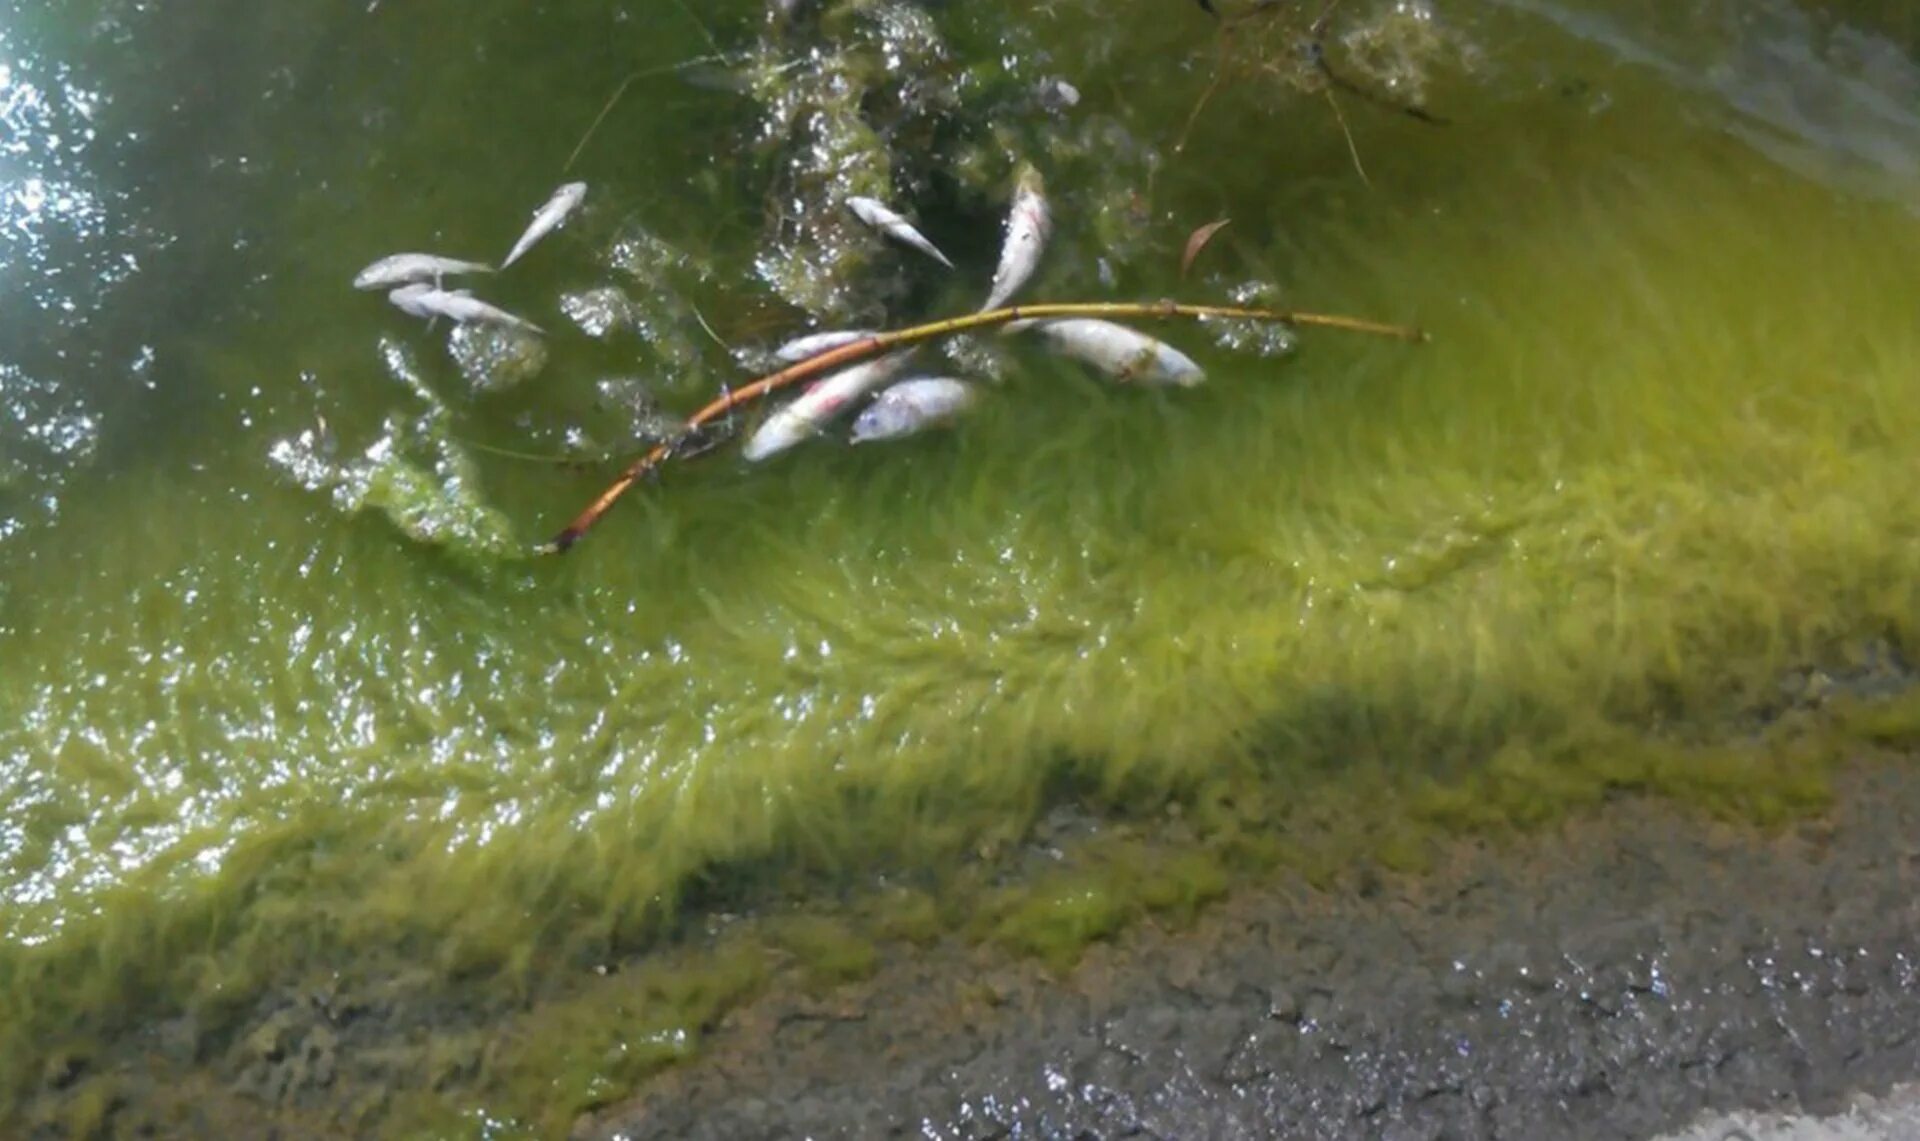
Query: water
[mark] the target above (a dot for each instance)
(283, 691)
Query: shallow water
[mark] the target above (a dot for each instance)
(280, 687)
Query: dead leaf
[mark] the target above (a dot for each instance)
(1198, 242)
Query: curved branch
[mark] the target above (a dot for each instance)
(868, 347)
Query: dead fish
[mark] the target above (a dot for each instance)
(422, 300)
(1029, 224)
(400, 269)
(874, 213)
(547, 219)
(812, 345)
(1120, 352)
(807, 414)
(913, 406)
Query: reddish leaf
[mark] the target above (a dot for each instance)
(1198, 242)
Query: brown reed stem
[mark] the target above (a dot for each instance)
(879, 343)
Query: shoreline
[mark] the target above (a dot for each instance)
(1617, 975)
(1564, 974)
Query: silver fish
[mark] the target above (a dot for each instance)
(400, 269)
(807, 414)
(1118, 351)
(1029, 225)
(548, 219)
(812, 345)
(874, 213)
(913, 406)
(422, 300)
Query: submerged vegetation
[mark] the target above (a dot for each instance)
(324, 791)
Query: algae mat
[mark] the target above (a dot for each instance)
(278, 692)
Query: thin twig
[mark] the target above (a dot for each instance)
(1351, 148)
(1213, 85)
(867, 347)
(597, 119)
(1320, 21)
(534, 457)
(698, 23)
(702, 319)
(1219, 74)
(648, 73)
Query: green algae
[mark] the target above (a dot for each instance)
(1340, 607)
(1055, 922)
(536, 1072)
(828, 950)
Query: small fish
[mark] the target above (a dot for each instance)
(1118, 351)
(913, 406)
(400, 269)
(547, 219)
(875, 214)
(422, 300)
(807, 414)
(1029, 224)
(812, 345)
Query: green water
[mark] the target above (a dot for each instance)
(279, 692)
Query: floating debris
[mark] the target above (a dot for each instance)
(600, 312)
(1398, 48)
(913, 406)
(875, 213)
(978, 357)
(1029, 224)
(404, 269)
(1124, 354)
(857, 103)
(644, 257)
(547, 219)
(426, 487)
(1261, 338)
(1240, 335)
(814, 408)
(494, 358)
(647, 421)
(414, 473)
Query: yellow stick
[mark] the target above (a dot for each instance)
(879, 343)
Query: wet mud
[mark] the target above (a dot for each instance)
(1617, 976)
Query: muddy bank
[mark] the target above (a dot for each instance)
(1615, 977)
